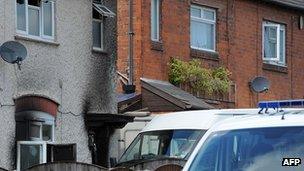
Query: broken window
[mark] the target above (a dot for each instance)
(61, 152)
(33, 130)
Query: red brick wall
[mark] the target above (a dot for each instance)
(238, 38)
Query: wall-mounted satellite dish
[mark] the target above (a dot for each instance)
(13, 52)
(259, 84)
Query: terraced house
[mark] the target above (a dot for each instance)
(248, 37)
(59, 105)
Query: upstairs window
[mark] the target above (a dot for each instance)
(35, 18)
(202, 28)
(155, 20)
(100, 12)
(274, 43)
(98, 31)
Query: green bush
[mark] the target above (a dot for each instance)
(200, 79)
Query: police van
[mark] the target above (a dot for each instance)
(268, 141)
(170, 138)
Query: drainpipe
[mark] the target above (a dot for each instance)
(130, 87)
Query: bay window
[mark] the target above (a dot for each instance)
(274, 43)
(35, 18)
(203, 28)
(34, 129)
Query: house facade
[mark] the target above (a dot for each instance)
(67, 80)
(249, 38)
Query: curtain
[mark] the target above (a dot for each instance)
(270, 42)
(202, 35)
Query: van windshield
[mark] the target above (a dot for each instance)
(165, 143)
(250, 149)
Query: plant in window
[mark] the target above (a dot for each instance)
(209, 81)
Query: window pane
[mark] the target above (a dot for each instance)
(209, 15)
(270, 42)
(47, 19)
(132, 152)
(195, 12)
(30, 155)
(33, 17)
(47, 132)
(154, 19)
(250, 149)
(34, 131)
(21, 20)
(150, 146)
(282, 46)
(96, 34)
(202, 35)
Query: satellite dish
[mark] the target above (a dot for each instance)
(13, 52)
(259, 84)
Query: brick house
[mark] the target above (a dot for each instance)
(249, 37)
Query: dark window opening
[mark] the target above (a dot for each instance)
(34, 2)
(62, 152)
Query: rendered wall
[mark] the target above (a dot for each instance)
(66, 71)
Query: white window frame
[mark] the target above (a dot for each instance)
(202, 20)
(100, 21)
(40, 124)
(108, 13)
(41, 21)
(44, 151)
(53, 22)
(275, 60)
(155, 9)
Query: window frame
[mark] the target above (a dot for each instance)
(44, 151)
(157, 10)
(100, 21)
(207, 21)
(41, 36)
(276, 60)
(53, 22)
(40, 124)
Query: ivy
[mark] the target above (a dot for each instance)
(209, 81)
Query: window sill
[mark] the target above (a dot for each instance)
(275, 68)
(195, 53)
(38, 40)
(95, 50)
(157, 45)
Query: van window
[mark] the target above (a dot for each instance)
(250, 149)
(164, 143)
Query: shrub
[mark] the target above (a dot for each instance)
(200, 79)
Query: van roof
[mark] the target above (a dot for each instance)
(294, 117)
(199, 119)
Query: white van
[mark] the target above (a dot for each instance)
(272, 141)
(170, 138)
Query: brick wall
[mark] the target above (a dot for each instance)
(238, 44)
